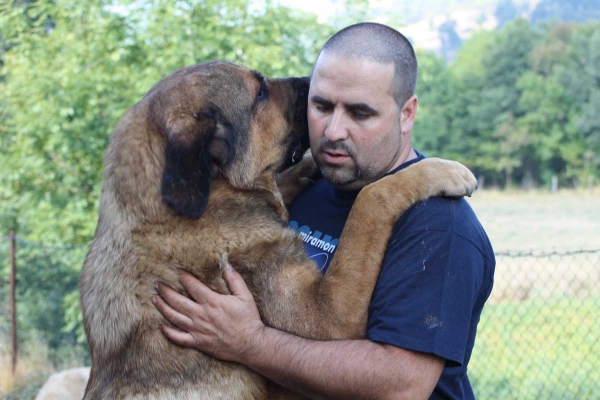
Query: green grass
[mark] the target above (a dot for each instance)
(539, 335)
(538, 349)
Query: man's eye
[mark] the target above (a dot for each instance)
(321, 108)
(361, 116)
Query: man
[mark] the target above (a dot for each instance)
(438, 269)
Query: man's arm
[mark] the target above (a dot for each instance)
(358, 369)
(229, 327)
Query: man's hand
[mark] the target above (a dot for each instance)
(220, 325)
(229, 327)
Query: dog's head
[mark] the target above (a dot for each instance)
(220, 119)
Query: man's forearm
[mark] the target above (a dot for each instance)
(357, 369)
(229, 327)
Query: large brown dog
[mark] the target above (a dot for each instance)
(190, 178)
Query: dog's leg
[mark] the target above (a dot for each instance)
(365, 237)
(336, 305)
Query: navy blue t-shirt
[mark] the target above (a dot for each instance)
(436, 275)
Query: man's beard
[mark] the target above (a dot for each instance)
(339, 175)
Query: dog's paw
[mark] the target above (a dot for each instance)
(297, 178)
(307, 168)
(452, 178)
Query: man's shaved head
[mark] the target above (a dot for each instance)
(381, 44)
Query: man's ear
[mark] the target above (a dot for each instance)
(409, 113)
(196, 146)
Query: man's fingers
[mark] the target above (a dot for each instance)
(235, 282)
(178, 337)
(176, 318)
(177, 301)
(198, 290)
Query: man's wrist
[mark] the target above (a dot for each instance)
(266, 350)
(255, 347)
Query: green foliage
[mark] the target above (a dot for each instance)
(536, 336)
(470, 59)
(47, 293)
(440, 100)
(91, 66)
(522, 109)
(69, 71)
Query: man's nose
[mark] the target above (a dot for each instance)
(336, 128)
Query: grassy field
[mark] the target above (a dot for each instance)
(523, 221)
(538, 349)
(539, 335)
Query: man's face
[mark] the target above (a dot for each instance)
(354, 123)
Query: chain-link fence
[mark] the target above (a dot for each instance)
(46, 294)
(539, 334)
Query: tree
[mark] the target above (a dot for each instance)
(70, 71)
(579, 75)
(543, 102)
(93, 64)
(438, 90)
(512, 143)
(502, 65)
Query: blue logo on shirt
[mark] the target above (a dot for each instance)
(318, 246)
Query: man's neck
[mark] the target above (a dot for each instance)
(407, 154)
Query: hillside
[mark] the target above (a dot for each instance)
(441, 26)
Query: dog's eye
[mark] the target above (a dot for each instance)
(261, 96)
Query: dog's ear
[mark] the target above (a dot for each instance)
(194, 149)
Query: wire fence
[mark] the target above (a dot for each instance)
(538, 338)
(47, 292)
(539, 334)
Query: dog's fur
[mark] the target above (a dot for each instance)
(190, 177)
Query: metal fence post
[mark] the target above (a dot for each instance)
(13, 302)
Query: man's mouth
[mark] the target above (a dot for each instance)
(333, 157)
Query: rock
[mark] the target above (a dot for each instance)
(65, 385)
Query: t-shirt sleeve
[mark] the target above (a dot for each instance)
(426, 292)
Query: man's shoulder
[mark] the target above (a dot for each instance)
(436, 213)
(444, 214)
